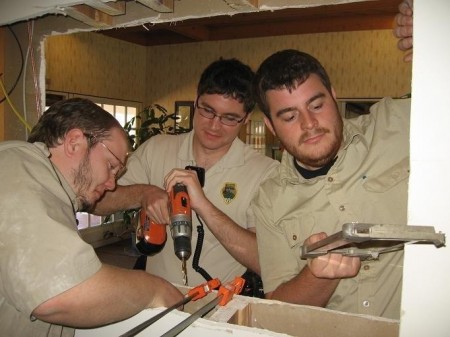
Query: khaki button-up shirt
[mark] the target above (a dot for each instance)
(230, 185)
(367, 183)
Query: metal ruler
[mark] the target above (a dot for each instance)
(193, 295)
(224, 295)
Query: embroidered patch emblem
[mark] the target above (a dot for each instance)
(229, 192)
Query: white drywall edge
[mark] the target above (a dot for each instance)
(200, 328)
(426, 287)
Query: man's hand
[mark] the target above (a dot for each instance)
(403, 28)
(155, 201)
(332, 266)
(188, 178)
(240, 242)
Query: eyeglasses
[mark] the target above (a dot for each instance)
(122, 167)
(209, 113)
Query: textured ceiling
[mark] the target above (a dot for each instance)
(161, 22)
(366, 15)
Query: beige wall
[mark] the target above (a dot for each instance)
(13, 66)
(360, 64)
(92, 64)
(2, 69)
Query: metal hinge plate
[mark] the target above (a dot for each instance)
(368, 241)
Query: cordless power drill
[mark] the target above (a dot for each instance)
(151, 237)
(181, 225)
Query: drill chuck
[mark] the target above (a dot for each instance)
(182, 247)
(181, 231)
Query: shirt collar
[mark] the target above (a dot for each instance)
(233, 158)
(288, 172)
(76, 204)
(351, 133)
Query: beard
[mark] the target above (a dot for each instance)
(317, 157)
(82, 179)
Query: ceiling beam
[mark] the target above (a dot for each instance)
(355, 16)
(242, 4)
(89, 16)
(110, 8)
(160, 6)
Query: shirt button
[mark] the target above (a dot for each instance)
(294, 237)
(330, 179)
(342, 208)
(366, 267)
(366, 304)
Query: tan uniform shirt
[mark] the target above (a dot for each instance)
(367, 183)
(230, 185)
(41, 253)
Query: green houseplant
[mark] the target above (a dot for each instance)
(151, 121)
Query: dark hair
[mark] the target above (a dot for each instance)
(230, 78)
(286, 69)
(73, 113)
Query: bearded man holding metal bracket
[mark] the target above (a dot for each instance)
(332, 172)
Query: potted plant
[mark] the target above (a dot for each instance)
(151, 121)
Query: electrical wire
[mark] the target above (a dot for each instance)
(24, 82)
(8, 93)
(198, 251)
(24, 122)
(37, 91)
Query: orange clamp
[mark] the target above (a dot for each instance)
(228, 290)
(203, 289)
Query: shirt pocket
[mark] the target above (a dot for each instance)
(389, 178)
(298, 229)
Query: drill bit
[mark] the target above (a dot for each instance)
(184, 271)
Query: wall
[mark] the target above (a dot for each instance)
(14, 66)
(27, 96)
(22, 62)
(2, 69)
(92, 64)
(426, 291)
(358, 62)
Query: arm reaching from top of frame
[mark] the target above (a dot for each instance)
(403, 28)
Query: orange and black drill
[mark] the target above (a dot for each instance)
(181, 225)
(151, 237)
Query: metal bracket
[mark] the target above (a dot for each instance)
(368, 241)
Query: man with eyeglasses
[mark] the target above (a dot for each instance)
(234, 171)
(51, 280)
